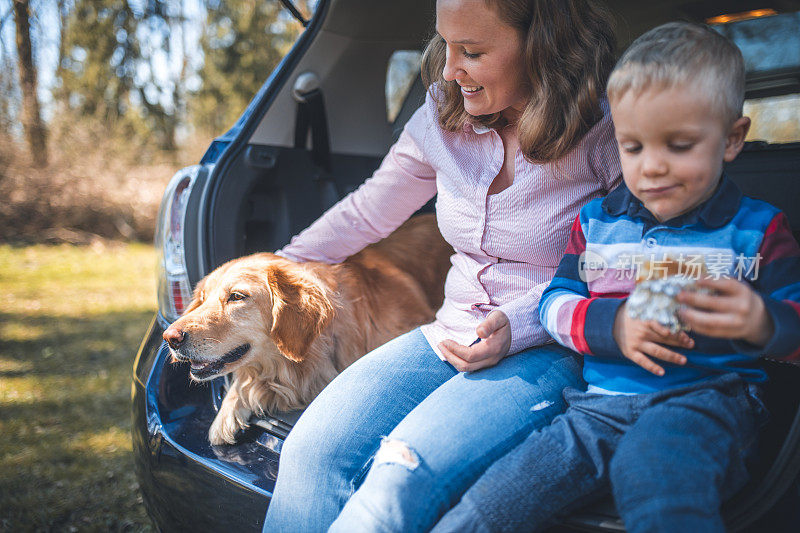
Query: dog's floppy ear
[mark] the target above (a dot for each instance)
(301, 310)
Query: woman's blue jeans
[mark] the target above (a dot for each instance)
(437, 431)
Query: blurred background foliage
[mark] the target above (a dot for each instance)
(102, 100)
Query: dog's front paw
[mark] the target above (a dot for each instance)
(227, 424)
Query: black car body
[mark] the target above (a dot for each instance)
(262, 182)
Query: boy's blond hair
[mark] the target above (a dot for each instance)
(687, 54)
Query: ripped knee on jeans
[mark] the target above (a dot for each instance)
(396, 452)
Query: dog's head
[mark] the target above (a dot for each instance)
(250, 310)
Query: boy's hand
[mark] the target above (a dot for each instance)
(732, 311)
(640, 340)
(495, 335)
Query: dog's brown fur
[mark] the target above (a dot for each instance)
(305, 322)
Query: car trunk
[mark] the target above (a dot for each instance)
(266, 187)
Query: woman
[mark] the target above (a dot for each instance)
(514, 137)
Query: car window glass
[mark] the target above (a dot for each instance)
(767, 43)
(771, 49)
(775, 119)
(402, 70)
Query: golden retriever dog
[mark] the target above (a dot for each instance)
(286, 329)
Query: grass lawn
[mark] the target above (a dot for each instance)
(71, 320)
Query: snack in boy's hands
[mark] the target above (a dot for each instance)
(657, 285)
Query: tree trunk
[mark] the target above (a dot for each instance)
(31, 115)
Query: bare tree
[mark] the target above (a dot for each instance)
(8, 86)
(31, 114)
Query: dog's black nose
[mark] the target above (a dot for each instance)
(174, 337)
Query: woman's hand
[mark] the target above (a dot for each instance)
(495, 335)
(732, 311)
(640, 340)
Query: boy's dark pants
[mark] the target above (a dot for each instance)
(671, 458)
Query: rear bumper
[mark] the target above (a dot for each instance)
(186, 483)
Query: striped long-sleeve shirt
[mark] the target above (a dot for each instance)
(506, 245)
(729, 234)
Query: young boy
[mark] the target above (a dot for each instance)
(668, 419)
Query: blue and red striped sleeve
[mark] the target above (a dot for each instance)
(568, 312)
(778, 282)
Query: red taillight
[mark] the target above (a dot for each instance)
(174, 288)
(177, 298)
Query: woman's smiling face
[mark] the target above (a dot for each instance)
(485, 57)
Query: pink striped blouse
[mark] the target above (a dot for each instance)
(507, 245)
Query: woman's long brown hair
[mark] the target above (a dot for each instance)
(569, 52)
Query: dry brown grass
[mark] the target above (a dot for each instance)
(95, 187)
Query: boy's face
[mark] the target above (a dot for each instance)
(672, 144)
